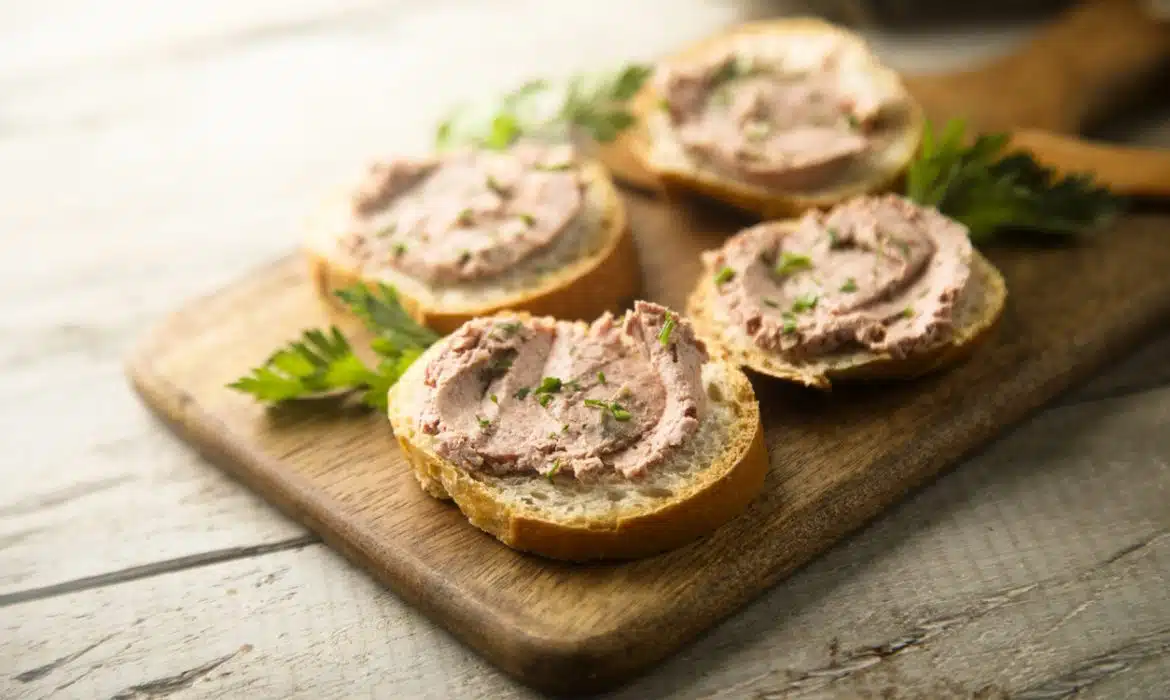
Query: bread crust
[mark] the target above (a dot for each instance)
(766, 202)
(721, 492)
(606, 281)
(867, 367)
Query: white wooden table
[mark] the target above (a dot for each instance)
(152, 151)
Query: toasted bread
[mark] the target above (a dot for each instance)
(599, 273)
(653, 142)
(977, 311)
(712, 477)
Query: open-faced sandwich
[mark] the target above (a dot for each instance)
(875, 287)
(777, 117)
(576, 441)
(472, 231)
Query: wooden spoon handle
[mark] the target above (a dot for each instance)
(1078, 69)
(1136, 172)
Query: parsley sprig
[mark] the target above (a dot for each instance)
(323, 363)
(988, 190)
(594, 104)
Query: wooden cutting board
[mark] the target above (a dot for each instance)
(836, 460)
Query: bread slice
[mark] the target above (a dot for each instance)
(711, 479)
(977, 312)
(579, 277)
(653, 143)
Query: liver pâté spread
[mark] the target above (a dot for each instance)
(548, 397)
(874, 273)
(466, 215)
(789, 112)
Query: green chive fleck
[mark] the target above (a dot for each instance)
(544, 400)
(528, 219)
(556, 467)
(804, 302)
(494, 399)
(850, 286)
(494, 185)
(667, 329)
(725, 275)
(601, 377)
(483, 422)
(907, 312)
(509, 327)
(791, 262)
(615, 409)
(789, 322)
(521, 393)
(549, 385)
(399, 248)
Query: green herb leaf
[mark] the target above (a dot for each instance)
(528, 219)
(725, 275)
(323, 363)
(789, 322)
(615, 409)
(804, 302)
(990, 191)
(484, 423)
(791, 262)
(592, 103)
(667, 329)
(544, 400)
(601, 377)
(556, 467)
(521, 393)
(549, 385)
(850, 286)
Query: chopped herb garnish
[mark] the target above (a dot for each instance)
(548, 385)
(528, 219)
(907, 312)
(805, 302)
(850, 286)
(544, 400)
(494, 185)
(552, 436)
(725, 275)
(615, 409)
(791, 262)
(465, 216)
(556, 467)
(789, 322)
(521, 393)
(564, 427)
(483, 422)
(667, 329)
(509, 327)
(494, 399)
(601, 377)
(399, 248)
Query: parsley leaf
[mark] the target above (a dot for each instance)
(667, 329)
(615, 409)
(804, 302)
(725, 275)
(594, 104)
(323, 363)
(988, 191)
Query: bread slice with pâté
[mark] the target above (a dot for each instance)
(889, 304)
(534, 227)
(612, 440)
(776, 117)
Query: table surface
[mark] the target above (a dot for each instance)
(151, 152)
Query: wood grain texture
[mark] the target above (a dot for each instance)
(976, 574)
(836, 460)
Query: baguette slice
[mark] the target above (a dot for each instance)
(978, 311)
(653, 143)
(711, 479)
(600, 274)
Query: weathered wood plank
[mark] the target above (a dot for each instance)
(972, 585)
